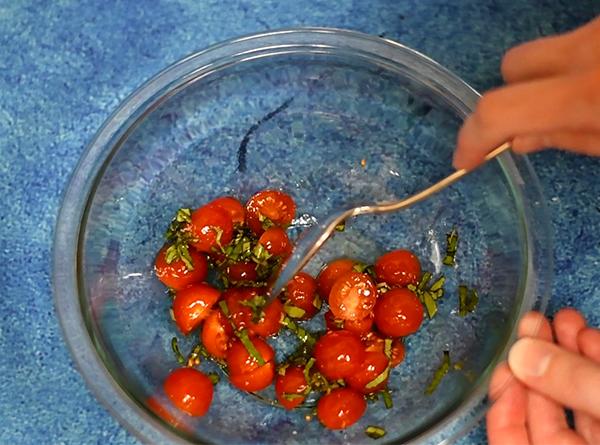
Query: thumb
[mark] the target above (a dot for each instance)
(563, 376)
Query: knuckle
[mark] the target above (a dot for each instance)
(486, 110)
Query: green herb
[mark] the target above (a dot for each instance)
(387, 348)
(429, 294)
(383, 287)
(214, 378)
(303, 335)
(265, 222)
(379, 379)
(291, 396)
(424, 281)
(256, 305)
(171, 292)
(307, 369)
(439, 374)
(467, 300)
(438, 284)
(178, 355)
(317, 302)
(430, 304)
(374, 432)
(182, 217)
(293, 311)
(451, 247)
(387, 399)
(369, 269)
(341, 227)
(179, 238)
(242, 334)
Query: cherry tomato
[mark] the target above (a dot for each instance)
(276, 241)
(353, 296)
(242, 315)
(232, 206)
(273, 205)
(293, 385)
(255, 380)
(359, 327)
(338, 354)
(301, 292)
(329, 275)
(176, 275)
(374, 342)
(216, 334)
(375, 363)
(210, 227)
(398, 268)
(192, 305)
(341, 408)
(190, 390)
(398, 313)
(242, 272)
(245, 372)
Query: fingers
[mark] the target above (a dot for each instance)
(567, 325)
(565, 377)
(549, 56)
(588, 341)
(586, 143)
(534, 324)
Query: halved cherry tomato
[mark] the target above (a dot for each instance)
(301, 293)
(373, 365)
(329, 275)
(210, 228)
(341, 408)
(245, 372)
(216, 334)
(190, 390)
(374, 342)
(338, 354)
(353, 296)
(359, 327)
(176, 275)
(192, 305)
(232, 206)
(290, 388)
(398, 313)
(398, 268)
(242, 272)
(242, 315)
(276, 241)
(272, 205)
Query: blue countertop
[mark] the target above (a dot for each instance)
(65, 65)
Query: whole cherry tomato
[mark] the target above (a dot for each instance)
(190, 390)
(245, 372)
(291, 387)
(276, 241)
(398, 268)
(373, 365)
(353, 296)
(211, 228)
(192, 305)
(301, 293)
(271, 206)
(216, 334)
(338, 354)
(232, 206)
(242, 315)
(176, 275)
(242, 272)
(341, 408)
(398, 313)
(329, 275)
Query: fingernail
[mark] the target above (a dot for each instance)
(530, 357)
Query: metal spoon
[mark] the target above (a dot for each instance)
(311, 241)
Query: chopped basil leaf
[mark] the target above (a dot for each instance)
(256, 305)
(387, 348)
(290, 397)
(424, 281)
(374, 432)
(379, 379)
(307, 369)
(430, 304)
(341, 227)
(467, 300)
(214, 378)
(439, 374)
(438, 284)
(317, 302)
(178, 355)
(293, 311)
(242, 334)
(387, 399)
(302, 334)
(451, 247)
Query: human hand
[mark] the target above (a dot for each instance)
(551, 99)
(542, 378)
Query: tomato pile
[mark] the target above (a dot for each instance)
(367, 311)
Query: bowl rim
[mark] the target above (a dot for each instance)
(66, 247)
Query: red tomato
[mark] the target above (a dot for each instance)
(329, 275)
(276, 241)
(255, 380)
(210, 227)
(341, 408)
(190, 390)
(398, 313)
(192, 305)
(398, 268)
(375, 363)
(216, 334)
(163, 412)
(176, 275)
(232, 206)
(241, 315)
(373, 342)
(278, 207)
(301, 292)
(353, 296)
(338, 354)
(291, 383)
(360, 327)
(245, 372)
(242, 272)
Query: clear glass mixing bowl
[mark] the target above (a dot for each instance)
(335, 118)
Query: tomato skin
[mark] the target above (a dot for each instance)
(398, 313)
(242, 272)
(255, 380)
(338, 354)
(292, 382)
(329, 275)
(359, 327)
(374, 342)
(398, 268)
(341, 408)
(189, 390)
(301, 292)
(192, 305)
(241, 315)
(156, 406)
(375, 363)
(207, 222)
(176, 275)
(245, 372)
(353, 296)
(276, 241)
(216, 334)
(277, 206)
(232, 206)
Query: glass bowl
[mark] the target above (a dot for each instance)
(335, 118)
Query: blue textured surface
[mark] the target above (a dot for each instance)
(66, 65)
